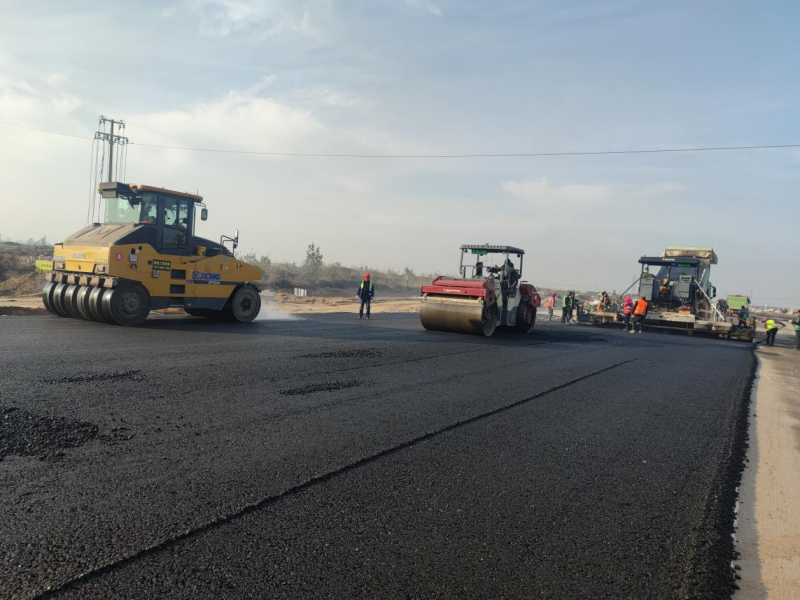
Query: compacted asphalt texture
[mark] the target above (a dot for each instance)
(327, 457)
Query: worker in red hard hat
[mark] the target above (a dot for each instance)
(365, 292)
(627, 312)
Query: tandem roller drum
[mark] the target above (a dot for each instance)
(458, 316)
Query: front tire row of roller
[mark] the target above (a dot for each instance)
(129, 304)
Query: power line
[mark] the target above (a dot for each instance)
(503, 155)
(442, 156)
(72, 135)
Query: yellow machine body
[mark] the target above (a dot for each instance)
(164, 275)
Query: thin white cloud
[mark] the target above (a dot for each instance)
(252, 119)
(326, 96)
(542, 193)
(427, 6)
(353, 185)
(219, 18)
(55, 79)
(15, 86)
(266, 18)
(266, 82)
(65, 103)
(240, 120)
(33, 98)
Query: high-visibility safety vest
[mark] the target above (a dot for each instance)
(627, 309)
(370, 286)
(771, 324)
(641, 308)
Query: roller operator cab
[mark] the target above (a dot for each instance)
(145, 256)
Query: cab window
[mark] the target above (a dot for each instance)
(176, 224)
(149, 210)
(176, 213)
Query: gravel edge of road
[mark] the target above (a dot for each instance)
(711, 573)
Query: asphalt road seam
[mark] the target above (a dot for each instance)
(353, 400)
(420, 359)
(264, 502)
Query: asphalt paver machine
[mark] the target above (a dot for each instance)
(484, 296)
(677, 284)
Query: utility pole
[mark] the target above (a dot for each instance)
(111, 152)
(114, 136)
(112, 139)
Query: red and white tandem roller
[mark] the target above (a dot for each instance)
(484, 297)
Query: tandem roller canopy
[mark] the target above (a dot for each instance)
(491, 249)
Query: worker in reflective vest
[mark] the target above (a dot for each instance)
(566, 307)
(796, 323)
(550, 304)
(773, 327)
(627, 311)
(365, 292)
(639, 313)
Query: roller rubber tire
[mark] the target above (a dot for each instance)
(94, 304)
(47, 297)
(128, 304)
(69, 302)
(104, 304)
(57, 299)
(245, 304)
(82, 302)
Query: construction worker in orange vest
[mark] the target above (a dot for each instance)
(639, 313)
(627, 312)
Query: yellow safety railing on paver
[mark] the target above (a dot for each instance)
(42, 266)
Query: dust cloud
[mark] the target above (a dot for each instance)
(270, 311)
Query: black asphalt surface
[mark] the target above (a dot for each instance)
(334, 458)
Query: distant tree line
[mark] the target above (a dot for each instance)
(332, 279)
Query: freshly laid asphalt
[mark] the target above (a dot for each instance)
(328, 457)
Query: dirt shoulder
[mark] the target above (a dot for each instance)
(769, 522)
(22, 305)
(308, 304)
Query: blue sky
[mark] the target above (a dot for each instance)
(426, 77)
